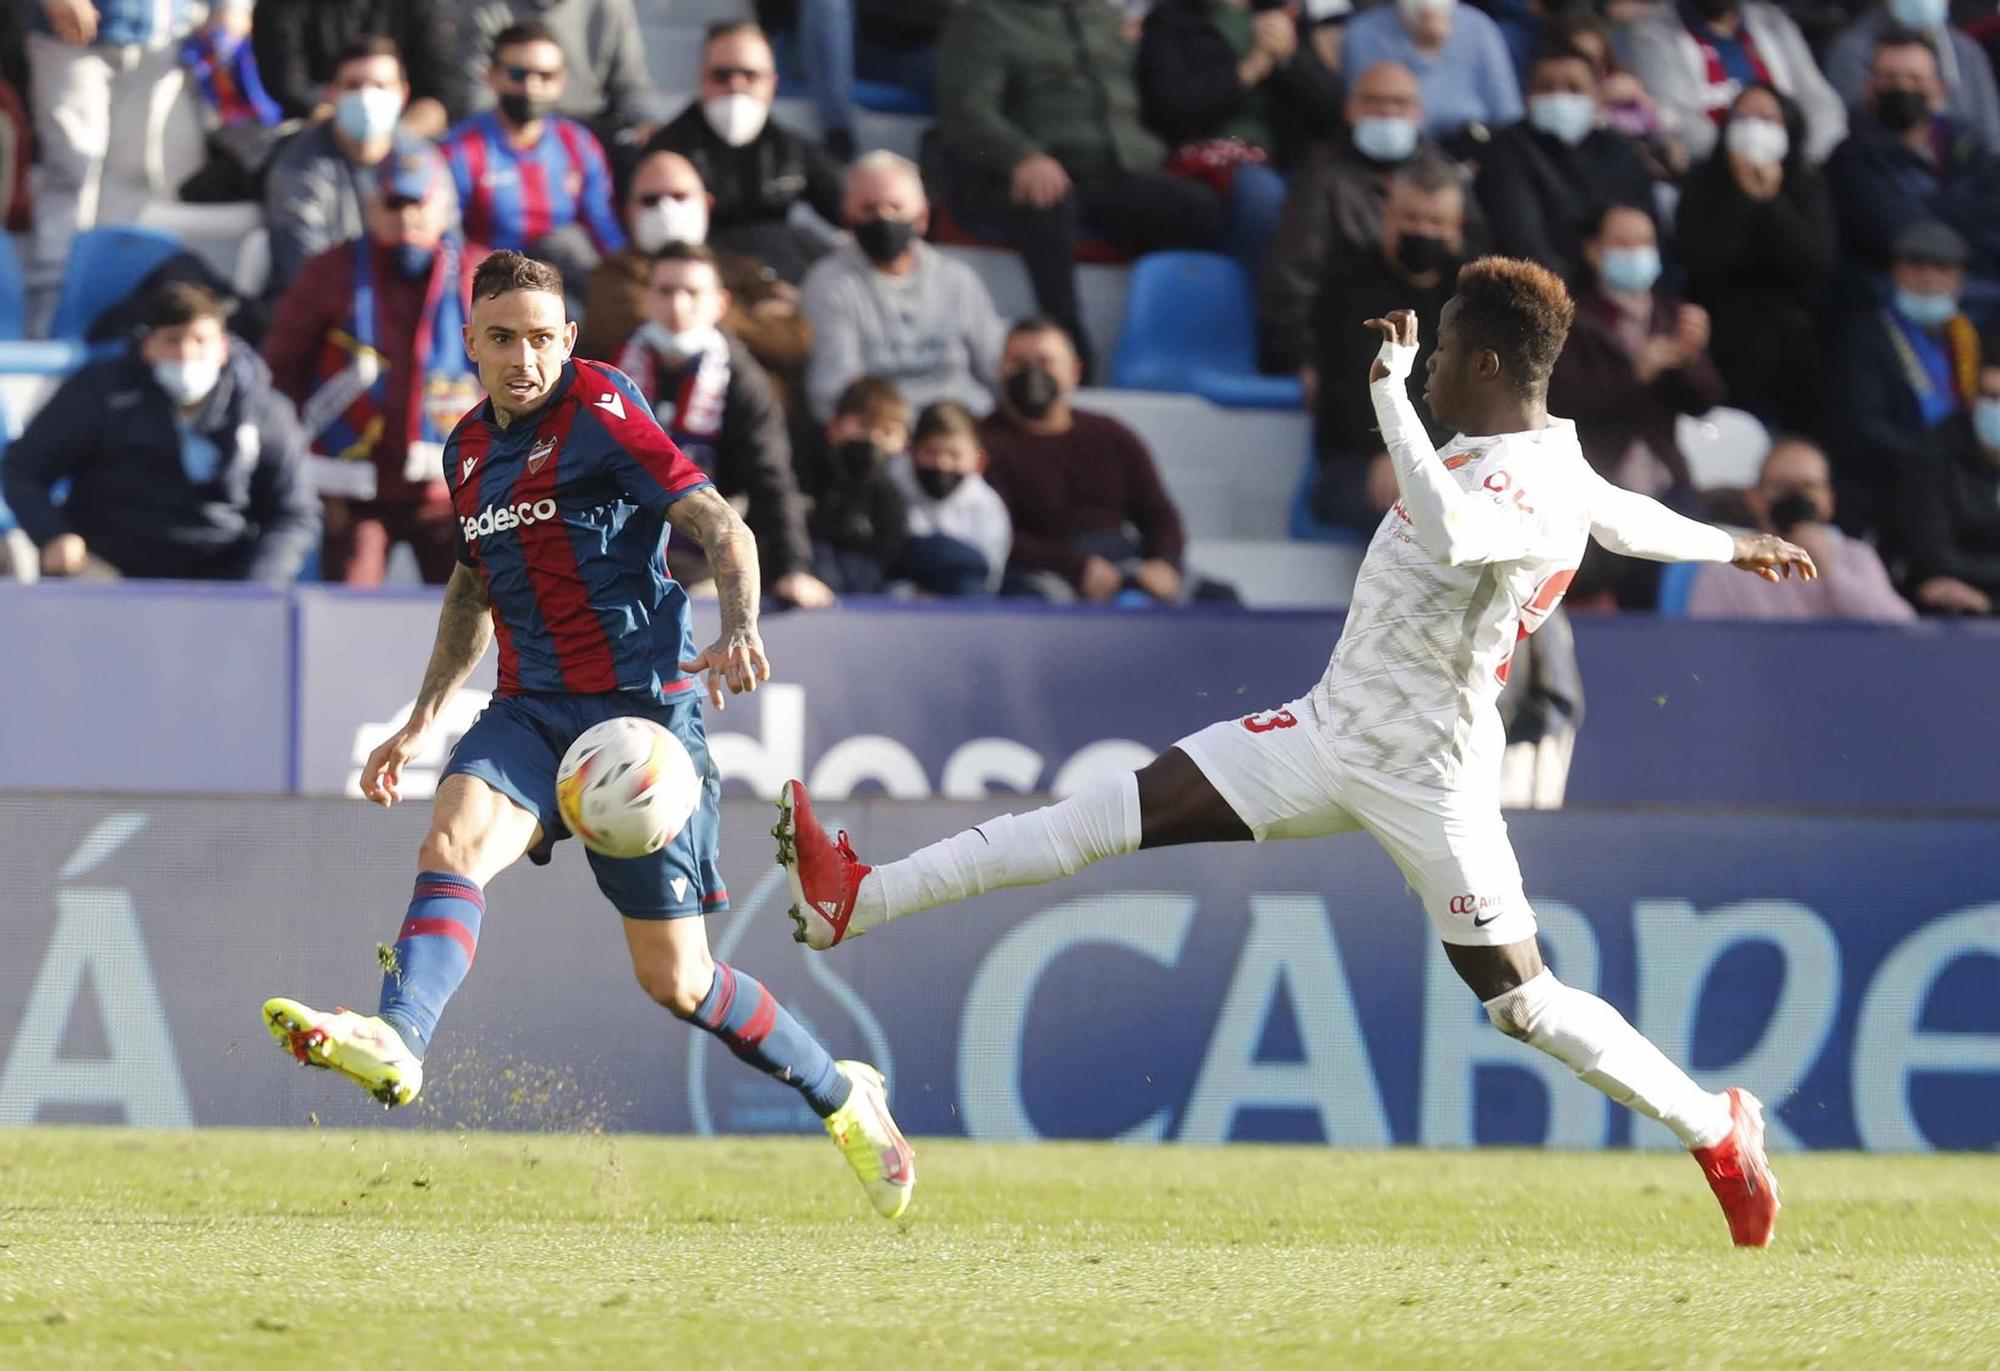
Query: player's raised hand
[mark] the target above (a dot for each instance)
(1772, 557)
(736, 658)
(382, 777)
(1400, 328)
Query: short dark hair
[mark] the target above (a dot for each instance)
(1430, 173)
(1604, 209)
(506, 271)
(946, 418)
(524, 31)
(1565, 26)
(1561, 50)
(730, 28)
(1518, 309)
(1896, 36)
(1038, 324)
(874, 398)
(363, 47)
(687, 252)
(183, 302)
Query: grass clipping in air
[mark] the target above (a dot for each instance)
(304, 1248)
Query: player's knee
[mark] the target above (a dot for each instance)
(675, 984)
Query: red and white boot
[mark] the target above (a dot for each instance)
(1740, 1176)
(824, 872)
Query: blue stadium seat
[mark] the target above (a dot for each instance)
(1305, 526)
(105, 266)
(1190, 325)
(13, 293)
(884, 98)
(1677, 588)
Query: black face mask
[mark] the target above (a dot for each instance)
(939, 484)
(520, 108)
(1712, 10)
(1031, 393)
(857, 460)
(884, 240)
(1420, 254)
(1899, 111)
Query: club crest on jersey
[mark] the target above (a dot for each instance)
(539, 454)
(1463, 459)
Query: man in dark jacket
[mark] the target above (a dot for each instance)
(756, 170)
(1413, 265)
(1905, 163)
(714, 401)
(302, 44)
(1040, 114)
(1951, 506)
(182, 462)
(1540, 179)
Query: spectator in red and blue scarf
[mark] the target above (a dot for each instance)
(218, 57)
(367, 343)
(528, 178)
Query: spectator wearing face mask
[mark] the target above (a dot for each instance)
(1459, 57)
(887, 304)
(665, 202)
(1794, 499)
(314, 193)
(531, 180)
(959, 532)
(1333, 212)
(1950, 504)
(713, 400)
(1756, 233)
(1626, 104)
(1906, 163)
(859, 519)
(1637, 359)
(1538, 179)
(1897, 372)
(1694, 56)
(1413, 265)
(1091, 518)
(1970, 95)
(301, 46)
(367, 343)
(757, 170)
(181, 460)
(604, 54)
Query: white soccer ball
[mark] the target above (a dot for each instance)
(627, 787)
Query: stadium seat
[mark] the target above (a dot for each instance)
(1229, 471)
(884, 98)
(1305, 526)
(1677, 588)
(1190, 325)
(1280, 575)
(230, 239)
(13, 292)
(1725, 447)
(105, 266)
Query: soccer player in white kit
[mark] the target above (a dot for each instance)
(1401, 737)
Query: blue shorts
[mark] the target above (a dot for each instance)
(517, 743)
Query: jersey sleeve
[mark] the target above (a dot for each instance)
(1630, 523)
(652, 471)
(1497, 522)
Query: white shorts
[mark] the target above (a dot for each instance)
(1284, 780)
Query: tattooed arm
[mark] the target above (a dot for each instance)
(738, 655)
(464, 630)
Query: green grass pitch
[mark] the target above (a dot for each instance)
(320, 1249)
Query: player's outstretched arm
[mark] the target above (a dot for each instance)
(1637, 526)
(465, 628)
(737, 657)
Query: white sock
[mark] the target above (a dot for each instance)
(1593, 1039)
(1099, 821)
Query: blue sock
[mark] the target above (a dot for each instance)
(432, 954)
(747, 1017)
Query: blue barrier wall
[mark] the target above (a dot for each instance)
(1845, 969)
(229, 690)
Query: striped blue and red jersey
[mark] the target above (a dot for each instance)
(513, 197)
(563, 515)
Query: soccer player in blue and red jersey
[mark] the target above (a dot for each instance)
(564, 489)
(525, 172)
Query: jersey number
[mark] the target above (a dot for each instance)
(1270, 719)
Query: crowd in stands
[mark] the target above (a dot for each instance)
(1791, 209)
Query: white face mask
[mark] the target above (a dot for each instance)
(670, 344)
(737, 118)
(368, 114)
(671, 221)
(188, 382)
(1760, 142)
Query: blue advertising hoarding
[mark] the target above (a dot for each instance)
(1848, 970)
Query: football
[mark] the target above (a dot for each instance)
(626, 787)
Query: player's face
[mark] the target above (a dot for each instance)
(954, 452)
(685, 296)
(519, 341)
(1446, 373)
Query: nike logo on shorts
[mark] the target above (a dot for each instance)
(1482, 920)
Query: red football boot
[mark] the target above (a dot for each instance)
(1740, 1176)
(824, 872)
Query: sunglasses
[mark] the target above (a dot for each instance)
(399, 203)
(520, 76)
(722, 76)
(652, 201)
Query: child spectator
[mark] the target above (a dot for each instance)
(858, 516)
(959, 532)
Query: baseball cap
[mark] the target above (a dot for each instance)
(411, 171)
(1931, 242)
